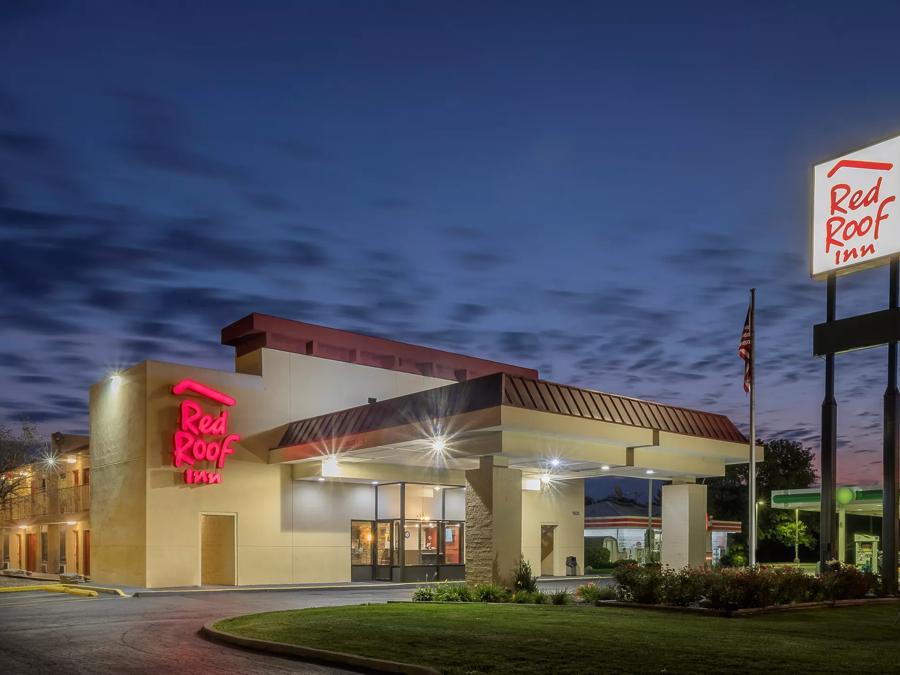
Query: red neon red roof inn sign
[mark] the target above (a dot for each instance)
(202, 436)
(855, 218)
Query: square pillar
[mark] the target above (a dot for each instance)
(493, 521)
(683, 525)
(53, 549)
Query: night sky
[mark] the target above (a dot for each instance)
(586, 189)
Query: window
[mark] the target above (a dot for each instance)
(361, 542)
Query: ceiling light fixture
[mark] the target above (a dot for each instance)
(650, 472)
(605, 467)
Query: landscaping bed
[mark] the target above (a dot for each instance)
(500, 638)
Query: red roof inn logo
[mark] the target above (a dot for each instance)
(202, 436)
(854, 209)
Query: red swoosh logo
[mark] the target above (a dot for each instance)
(860, 164)
(203, 390)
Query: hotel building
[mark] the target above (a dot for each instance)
(329, 456)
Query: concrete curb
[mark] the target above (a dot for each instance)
(280, 589)
(99, 589)
(51, 588)
(312, 654)
(750, 611)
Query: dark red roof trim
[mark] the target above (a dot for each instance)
(260, 330)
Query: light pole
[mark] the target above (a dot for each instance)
(759, 502)
(796, 536)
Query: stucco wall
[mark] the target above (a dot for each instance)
(561, 504)
(118, 429)
(148, 520)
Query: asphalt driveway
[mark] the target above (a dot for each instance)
(50, 632)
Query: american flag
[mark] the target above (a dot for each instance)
(745, 351)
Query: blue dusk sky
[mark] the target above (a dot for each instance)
(586, 188)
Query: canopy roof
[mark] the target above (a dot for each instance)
(538, 425)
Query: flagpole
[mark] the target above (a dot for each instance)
(751, 516)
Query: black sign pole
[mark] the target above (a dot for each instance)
(828, 459)
(890, 526)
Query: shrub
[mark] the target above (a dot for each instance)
(561, 597)
(682, 588)
(523, 578)
(844, 582)
(523, 597)
(637, 583)
(423, 594)
(447, 592)
(790, 584)
(489, 593)
(540, 598)
(596, 555)
(624, 562)
(589, 593)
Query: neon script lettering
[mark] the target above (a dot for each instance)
(856, 213)
(201, 436)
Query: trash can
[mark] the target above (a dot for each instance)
(571, 566)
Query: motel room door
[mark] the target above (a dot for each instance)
(31, 552)
(217, 549)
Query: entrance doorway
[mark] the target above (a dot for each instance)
(548, 533)
(217, 550)
(31, 552)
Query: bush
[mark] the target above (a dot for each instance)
(447, 592)
(844, 582)
(594, 594)
(540, 598)
(561, 597)
(423, 594)
(638, 583)
(596, 555)
(490, 593)
(523, 579)
(624, 562)
(523, 597)
(682, 588)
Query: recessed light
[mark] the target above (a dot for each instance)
(605, 467)
(554, 461)
(545, 479)
(650, 472)
(321, 479)
(374, 482)
(438, 444)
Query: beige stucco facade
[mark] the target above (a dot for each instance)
(291, 524)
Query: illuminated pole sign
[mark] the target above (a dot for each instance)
(202, 436)
(856, 222)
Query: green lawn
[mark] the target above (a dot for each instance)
(542, 639)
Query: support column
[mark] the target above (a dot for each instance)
(829, 446)
(684, 525)
(890, 527)
(493, 521)
(53, 549)
(842, 534)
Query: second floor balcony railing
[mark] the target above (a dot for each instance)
(56, 502)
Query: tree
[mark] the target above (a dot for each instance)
(17, 448)
(787, 465)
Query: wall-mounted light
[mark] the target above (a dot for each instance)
(115, 379)
(71, 460)
(71, 522)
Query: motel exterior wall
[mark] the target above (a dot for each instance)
(290, 528)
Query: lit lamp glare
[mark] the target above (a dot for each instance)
(545, 479)
(650, 472)
(115, 380)
(71, 460)
(605, 467)
(554, 462)
(438, 444)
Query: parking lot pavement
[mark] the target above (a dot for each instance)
(53, 632)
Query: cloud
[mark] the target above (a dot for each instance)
(159, 139)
